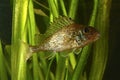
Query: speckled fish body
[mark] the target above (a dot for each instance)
(67, 38)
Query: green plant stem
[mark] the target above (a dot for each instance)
(72, 60)
(63, 7)
(100, 52)
(48, 72)
(81, 63)
(53, 7)
(41, 5)
(18, 50)
(73, 8)
(3, 70)
(37, 73)
(94, 13)
(60, 71)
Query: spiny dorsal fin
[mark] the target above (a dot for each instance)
(57, 24)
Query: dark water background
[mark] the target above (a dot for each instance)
(113, 67)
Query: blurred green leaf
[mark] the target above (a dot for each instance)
(3, 72)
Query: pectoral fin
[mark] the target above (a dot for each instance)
(65, 53)
(77, 50)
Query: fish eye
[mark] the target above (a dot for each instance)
(86, 30)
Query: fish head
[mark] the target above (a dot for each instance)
(84, 35)
(90, 33)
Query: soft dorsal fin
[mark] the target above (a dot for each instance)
(57, 24)
(39, 38)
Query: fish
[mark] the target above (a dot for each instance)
(66, 35)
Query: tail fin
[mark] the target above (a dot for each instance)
(29, 53)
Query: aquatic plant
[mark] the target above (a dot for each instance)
(73, 67)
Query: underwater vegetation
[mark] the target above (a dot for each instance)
(60, 35)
